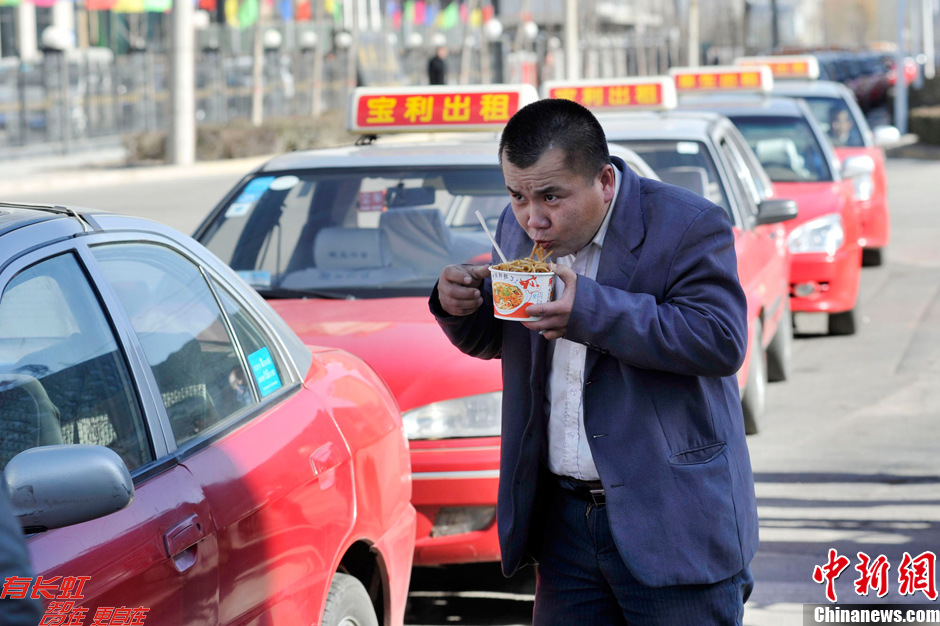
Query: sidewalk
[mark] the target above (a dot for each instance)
(103, 166)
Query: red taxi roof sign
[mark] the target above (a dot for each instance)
(793, 66)
(435, 108)
(723, 78)
(655, 92)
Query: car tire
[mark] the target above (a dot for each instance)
(872, 257)
(348, 604)
(842, 323)
(754, 398)
(780, 349)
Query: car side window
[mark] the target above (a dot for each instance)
(63, 378)
(267, 367)
(183, 334)
(740, 179)
(755, 172)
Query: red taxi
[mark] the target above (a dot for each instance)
(174, 450)
(346, 244)
(835, 109)
(824, 239)
(706, 154)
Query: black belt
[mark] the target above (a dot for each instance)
(587, 490)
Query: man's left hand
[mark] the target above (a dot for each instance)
(555, 315)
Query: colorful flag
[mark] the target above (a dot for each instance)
(431, 12)
(449, 17)
(488, 13)
(127, 6)
(207, 5)
(157, 6)
(99, 5)
(420, 8)
(247, 13)
(476, 18)
(409, 12)
(463, 12)
(304, 11)
(9, 3)
(286, 10)
(45, 4)
(231, 12)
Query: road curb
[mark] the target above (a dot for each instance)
(53, 179)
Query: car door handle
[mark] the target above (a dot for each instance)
(180, 541)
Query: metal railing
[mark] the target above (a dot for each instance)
(67, 98)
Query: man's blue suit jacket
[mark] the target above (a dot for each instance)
(665, 324)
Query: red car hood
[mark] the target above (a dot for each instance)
(400, 339)
(812, 199)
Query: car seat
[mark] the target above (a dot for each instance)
(27, 416)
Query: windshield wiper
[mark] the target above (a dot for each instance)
(284, 293)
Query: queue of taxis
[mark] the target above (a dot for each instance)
(835, 108)
(824, 239)
(704, 153)
(346, 244)
(172, 448)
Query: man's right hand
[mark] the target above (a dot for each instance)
(459, 288)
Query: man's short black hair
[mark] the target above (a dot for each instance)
(555, 123)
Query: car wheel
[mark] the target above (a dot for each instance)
(780, 349)
(348, 604)
(842, 323)
(754, 397)
(872, 257)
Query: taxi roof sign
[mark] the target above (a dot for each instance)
(435, 108)
(793, 66)
(723, 78)
(655, 92)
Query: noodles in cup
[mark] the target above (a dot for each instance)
(535, 263)
(519, 284)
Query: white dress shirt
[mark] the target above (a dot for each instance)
(568, 450)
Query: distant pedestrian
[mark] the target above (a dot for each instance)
(437, 69)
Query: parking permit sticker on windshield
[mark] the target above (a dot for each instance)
(249, 196)
(262, 366)
(256, 278)
(687, 147)
(372, 200)
(284, 182)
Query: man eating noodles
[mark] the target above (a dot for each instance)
(624, 471)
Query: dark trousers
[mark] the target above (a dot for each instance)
(582, 578)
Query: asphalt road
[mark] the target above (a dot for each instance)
(847, 453)
(181, 202)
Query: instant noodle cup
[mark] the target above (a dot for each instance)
(515, 292)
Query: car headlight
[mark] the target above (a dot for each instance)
(864, 186)
(472, 416)
(823, 234)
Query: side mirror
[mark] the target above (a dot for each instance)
(56, 486)
(774, 211)
(886, 135)
(855, 166)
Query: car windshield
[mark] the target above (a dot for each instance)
(684, 163)
(356, 233)
(836, 120)
(786, 147)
